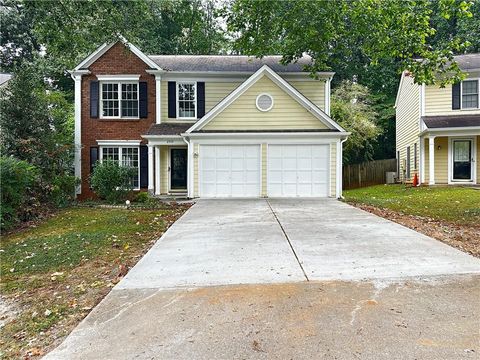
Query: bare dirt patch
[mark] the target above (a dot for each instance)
(463, 237)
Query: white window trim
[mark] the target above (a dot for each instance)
(194, 83)
(478, 94)
(264, 94)
(120, 146)
(119, 83)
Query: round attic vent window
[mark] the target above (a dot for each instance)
(264, 102)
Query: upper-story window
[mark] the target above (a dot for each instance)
(470, 94)
(186, 100)
(119, 100)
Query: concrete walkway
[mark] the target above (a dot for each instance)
(281, 279)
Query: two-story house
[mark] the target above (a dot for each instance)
(438, 129)
(207, 126)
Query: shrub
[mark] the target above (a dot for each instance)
(18, 179)
(62, 190)
(141, 197)
(112, 182)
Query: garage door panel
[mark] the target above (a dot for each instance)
(231, 170)
(298, 170)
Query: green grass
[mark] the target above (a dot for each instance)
(55, 272)
(460, 205)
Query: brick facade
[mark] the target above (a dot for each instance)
(117, 60)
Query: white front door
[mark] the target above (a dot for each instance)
(229, 170)
(298, 170)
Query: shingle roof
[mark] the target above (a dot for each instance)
(168, 129)
(435, 122)
(231, 63)
(468, 61)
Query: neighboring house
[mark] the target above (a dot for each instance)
(438, 129)
(4, 79)
(207, 126)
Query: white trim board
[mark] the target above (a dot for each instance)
(102, 49)
(283, 84)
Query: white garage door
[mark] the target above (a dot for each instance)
(298, 170)
(229, 170)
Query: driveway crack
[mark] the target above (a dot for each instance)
(288, 239)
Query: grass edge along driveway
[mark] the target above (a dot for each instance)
(55, 273)
(446, 213)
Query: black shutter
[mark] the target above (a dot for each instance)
(200, 99)
(93, 157)
(456, 96)
(172, 99)
(94, 99)
(142, 99)
(143, 166)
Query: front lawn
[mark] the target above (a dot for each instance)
(449, 214)
(459, 205)
(54, 274)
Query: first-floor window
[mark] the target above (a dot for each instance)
(125, 156)
(407, 175)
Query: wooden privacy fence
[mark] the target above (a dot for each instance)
(367, 173)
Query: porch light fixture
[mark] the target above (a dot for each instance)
(439, 147)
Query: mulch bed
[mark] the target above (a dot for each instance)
(463, 237)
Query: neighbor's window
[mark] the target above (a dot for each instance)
(125, 156)
(186, 100)
(470, 94)
(119, 100)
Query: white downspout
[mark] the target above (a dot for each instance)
(340, 169)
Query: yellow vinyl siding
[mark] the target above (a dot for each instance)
(441, 161)
(243, 114)
(214, 93)
(164, 169)
(438, 101)
(312, 90)
(407, 123)
(264, 170)
(333, 169)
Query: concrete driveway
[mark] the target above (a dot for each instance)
(220, 242)
(287, 279)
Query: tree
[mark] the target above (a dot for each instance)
(352, 108)
(369, 30)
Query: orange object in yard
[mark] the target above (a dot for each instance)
(415, 180)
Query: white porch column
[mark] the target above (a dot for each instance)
(78, 131)
(431, 160)
(157, 170)
(422, 161)
(150, 169)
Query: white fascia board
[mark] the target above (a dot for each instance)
(119, 77)
(118, 142)
(266, 134)
(282, 83)
(102, 49)
(399, 88)
(90, 59)
(466, 130)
